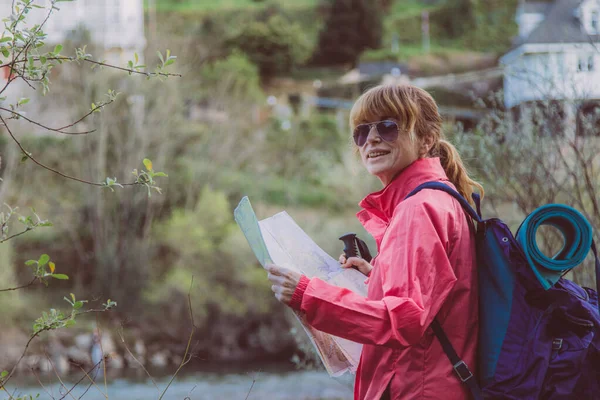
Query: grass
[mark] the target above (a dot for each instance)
(409, 8)
(406, 8)
(222, 5)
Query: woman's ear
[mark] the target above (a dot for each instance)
(426, 145)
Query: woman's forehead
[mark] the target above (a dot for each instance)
(376, 118)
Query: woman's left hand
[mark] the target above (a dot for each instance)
(284, 282)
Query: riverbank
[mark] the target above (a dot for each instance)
(68, 351)
(254, 384)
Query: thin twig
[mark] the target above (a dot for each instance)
(52, 169)
(89, 386)
(57, 374)
(19, 287)
(25, 48)
(86, 115)
(93, 382)
(138, 361)
(41, 384)
(80, 379)
(186, 358)
(15, 235)
(59, 130)
(36, 334)
(102, 352)
(251, 386)
(71, 59)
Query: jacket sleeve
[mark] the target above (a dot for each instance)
(416, 276)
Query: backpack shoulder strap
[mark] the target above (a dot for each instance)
(460, 367)
(476, 215)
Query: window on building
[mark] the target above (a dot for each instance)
(586, 63)
(595, 21)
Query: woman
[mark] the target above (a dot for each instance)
(425, 267)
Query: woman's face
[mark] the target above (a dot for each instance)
(384, 159)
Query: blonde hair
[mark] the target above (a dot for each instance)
(417, 115)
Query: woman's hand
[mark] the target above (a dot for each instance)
(362, 264)
(284, 282)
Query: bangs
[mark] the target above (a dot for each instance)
(383, 102)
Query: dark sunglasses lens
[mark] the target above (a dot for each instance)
(388, 130)
(361, 133)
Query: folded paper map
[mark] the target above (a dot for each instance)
(280, 240)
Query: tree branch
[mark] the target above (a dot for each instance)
(80, 379)
(59, 130)
(15, 235)
(99, 63)
(36, 334)
(98, 107)
(20, 287)
(52, 169)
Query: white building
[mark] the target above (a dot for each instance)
(557, 53)
(116, 26)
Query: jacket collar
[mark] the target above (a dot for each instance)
(383, 203)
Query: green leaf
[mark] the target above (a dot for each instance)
(5, 52)
(148, 164)
(161, 57)
(30, 262)
(60, 276)
(78, 305)
(5, 39)
(160, 174)
(58, 49)
(22, 101)
(4, 374)
(44, 258)
(169, 62)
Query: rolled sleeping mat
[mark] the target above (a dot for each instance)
(577, 237)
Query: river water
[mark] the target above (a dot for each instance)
(290, 385)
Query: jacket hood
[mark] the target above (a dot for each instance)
(382, 204)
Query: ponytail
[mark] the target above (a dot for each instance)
(455, 169)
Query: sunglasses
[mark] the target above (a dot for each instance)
(387, 130)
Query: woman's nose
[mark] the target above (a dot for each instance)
(373, 135)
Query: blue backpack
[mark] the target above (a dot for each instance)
(539, 334)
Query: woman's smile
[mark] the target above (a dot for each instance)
(377, 154)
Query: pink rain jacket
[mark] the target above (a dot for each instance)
(425, 268)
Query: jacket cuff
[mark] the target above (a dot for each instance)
(296, 302)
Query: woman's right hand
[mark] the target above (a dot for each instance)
(363, 266)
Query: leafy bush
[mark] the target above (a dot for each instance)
(276, 45)
(205, 243)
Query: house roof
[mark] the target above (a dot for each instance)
(560, 26)
(537, 7)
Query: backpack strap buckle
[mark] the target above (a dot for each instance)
(463, 371)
